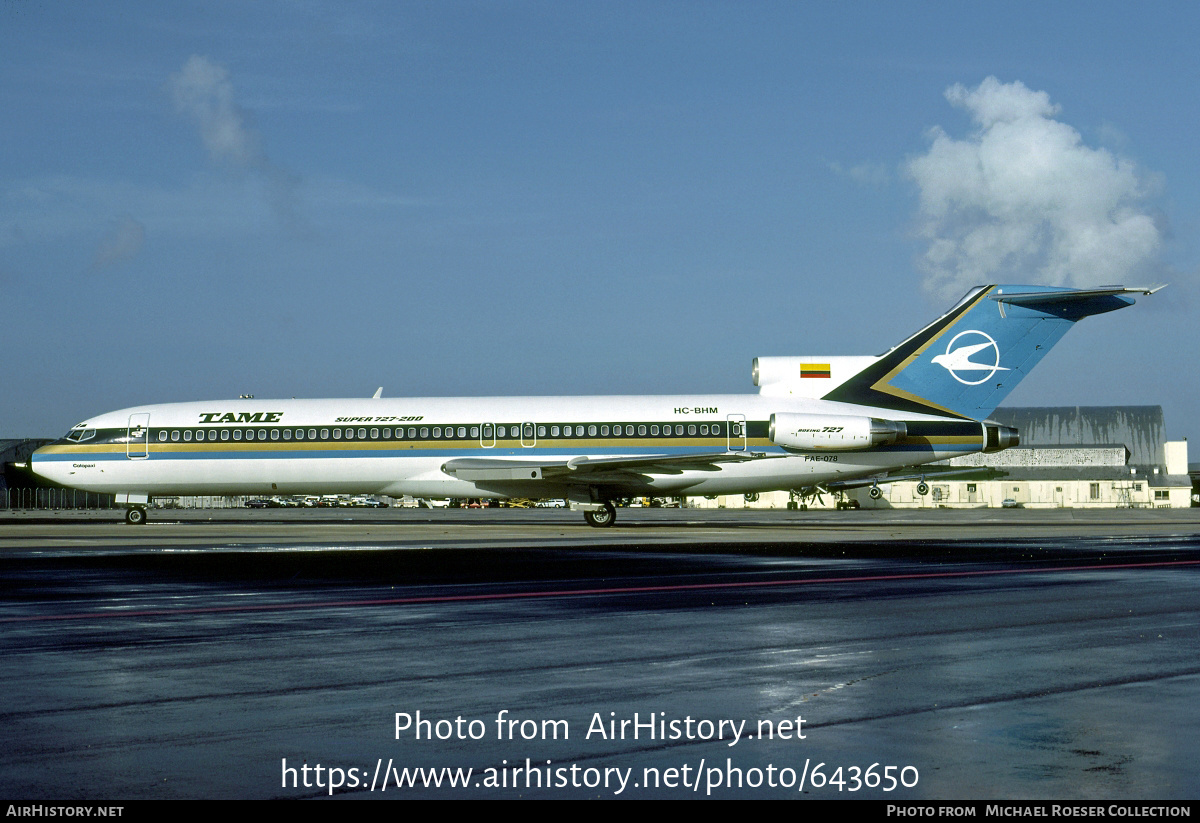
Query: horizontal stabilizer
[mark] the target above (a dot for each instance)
(1042, 298)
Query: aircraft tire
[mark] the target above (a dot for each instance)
(135, 516)
(603, 518)
(922, 488)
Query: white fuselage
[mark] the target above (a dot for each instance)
(400, 446)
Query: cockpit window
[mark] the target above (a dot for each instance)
(79, 435)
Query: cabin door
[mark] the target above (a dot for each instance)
(137, 445)
(528, 435)
(737, 432)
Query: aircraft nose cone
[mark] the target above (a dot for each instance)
(40, 465)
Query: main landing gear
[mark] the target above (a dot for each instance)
(135, 515)
(601, 518)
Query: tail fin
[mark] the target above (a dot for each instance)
(968, 360)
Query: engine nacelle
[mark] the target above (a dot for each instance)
(1000, 437)
(833, 432)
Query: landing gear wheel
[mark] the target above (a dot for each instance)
(601, 518)
(135, 516)
(922, 488)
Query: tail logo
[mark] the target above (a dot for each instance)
(957, 360)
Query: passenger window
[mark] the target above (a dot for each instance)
(374, 434)
(224, 434)
(641, 431)
(437, 431)
(462, 431)
(162, 436)
(387, 434)
(679, 430)
(362, 434)
(541, 431)
(175, 436)
(654, 430)
(474, 431)
(212, 434)
(337, 434)
(187, 435)
(274, 434)
(554, 431)
(424, 431)
(237, 434)
(704, 429)
(691, 430)
(287, 434)
(604, 431)
(413, 433)
(324, 434)
(591, 431)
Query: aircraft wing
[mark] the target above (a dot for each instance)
(590, 469)
(926, 473)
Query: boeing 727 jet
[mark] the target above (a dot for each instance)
(816, 422)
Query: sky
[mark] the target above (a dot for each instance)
(315, 199)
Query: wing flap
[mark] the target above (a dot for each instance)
(928, 473)
(589, 469)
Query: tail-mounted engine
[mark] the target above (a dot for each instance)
(833, 432)
(999, 438)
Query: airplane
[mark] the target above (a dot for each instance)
(816, 423)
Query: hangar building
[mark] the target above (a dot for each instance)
(1070, 456)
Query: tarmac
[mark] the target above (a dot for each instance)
(894, 655)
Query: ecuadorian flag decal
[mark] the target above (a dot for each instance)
(814, 370)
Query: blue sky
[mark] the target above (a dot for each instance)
(314, 199)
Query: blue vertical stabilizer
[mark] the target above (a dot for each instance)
(967, 361)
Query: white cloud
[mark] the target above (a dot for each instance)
(203, 91)
(121, 244)
(1022, 199)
